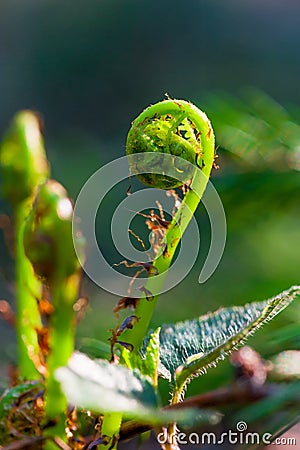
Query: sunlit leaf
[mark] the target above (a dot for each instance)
(95, 348)
(148, 362)
(188, 348)
(102, 387)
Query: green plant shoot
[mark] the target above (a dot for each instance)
(178, 128)
(24, 166)
(49, 246)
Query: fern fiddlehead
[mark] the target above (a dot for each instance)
(180, 130)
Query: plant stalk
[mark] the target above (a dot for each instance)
(28, 291)
(110, 427)
(61, 340)
(162, 263)
(201, 148)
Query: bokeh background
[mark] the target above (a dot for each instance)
(89, 67)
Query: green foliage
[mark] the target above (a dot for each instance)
(95, 348)
(147, 363)
(101, 387)
(123, 386)
(188, 348)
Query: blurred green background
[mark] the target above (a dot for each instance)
(91, 66)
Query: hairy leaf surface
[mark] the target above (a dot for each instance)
(188, 348)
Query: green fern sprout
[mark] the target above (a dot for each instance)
(49, 247)
(183, 131)
(23, 167)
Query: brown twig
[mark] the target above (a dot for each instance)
(235, 394)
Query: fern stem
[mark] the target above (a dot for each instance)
(61, 341)
(173, 116)
(28, 290)
(24, 166)
(145, 309)
(49, 246)
(110, 427)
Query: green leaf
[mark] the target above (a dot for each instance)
(95, 348)
(151, 360)
(102, 387)
(188, 348)
(147, 363)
